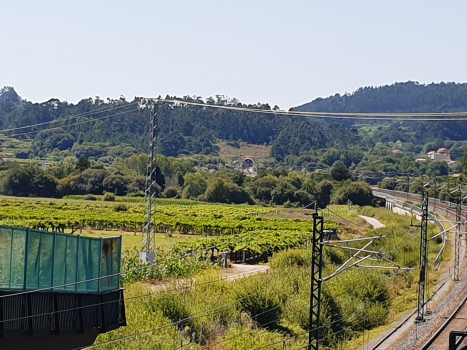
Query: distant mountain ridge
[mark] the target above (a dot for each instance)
(399, 97)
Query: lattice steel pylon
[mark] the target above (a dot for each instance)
(423, 258)
(457, 246)
(148, 237)
(316, 282)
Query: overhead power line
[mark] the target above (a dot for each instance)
(176, 323)
(164, 291)
(65, 126)
(454, 116)
(84, 114)
(192, 253)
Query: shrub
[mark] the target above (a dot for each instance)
(90, 197)
(173, 306)
(120, 207)
(257, 296)
(109, 197)
(291, 257)
(357, 192)
(171, 192)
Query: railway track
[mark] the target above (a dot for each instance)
(381, 344)
(457, 320)
(447, 209)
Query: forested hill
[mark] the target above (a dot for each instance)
(402, 97)
(116, 128)
(99, 128)
(399, 97)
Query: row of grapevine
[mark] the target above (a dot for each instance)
(257, 242)
(208, 220)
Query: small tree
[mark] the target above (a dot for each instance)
(339, 171)
(83, 164)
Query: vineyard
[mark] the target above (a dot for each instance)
(257, 242)
(205, 219)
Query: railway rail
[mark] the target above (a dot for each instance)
(445, 208)
(457, 319)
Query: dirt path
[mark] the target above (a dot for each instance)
(235, 272)
(375, 223)
(240, 270)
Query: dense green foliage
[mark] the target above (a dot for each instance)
(117, 129)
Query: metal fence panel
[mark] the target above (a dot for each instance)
(34, 259)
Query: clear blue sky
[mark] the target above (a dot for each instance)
(281, 52)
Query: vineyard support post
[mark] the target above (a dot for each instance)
(147, 254)
(316, 281)
(423, 258)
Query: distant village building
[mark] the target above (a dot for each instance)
(397, 152)
(442, 155)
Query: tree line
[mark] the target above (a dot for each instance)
(177, 178)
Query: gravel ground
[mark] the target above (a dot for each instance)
(420, 332)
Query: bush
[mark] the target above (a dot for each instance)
(120, 207)
(90, 197)
(108, 197)
(171, 192)
(358, 193)
(173, 306)
(364, 298)
(291, 257)
(259, 296)
(222, 191)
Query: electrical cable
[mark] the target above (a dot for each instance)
(166, 325)
(460, 116)
(115, 274)
(344, 218)
(165, 291)
(252, 317)
(105, 109)
(334, 333)
(65, 126)
(336, 296)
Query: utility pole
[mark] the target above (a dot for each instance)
(148, 238)
(423, 258)
(316, 281)
(356, 260)
(457, 246)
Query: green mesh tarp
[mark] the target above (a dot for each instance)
(33, 259)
